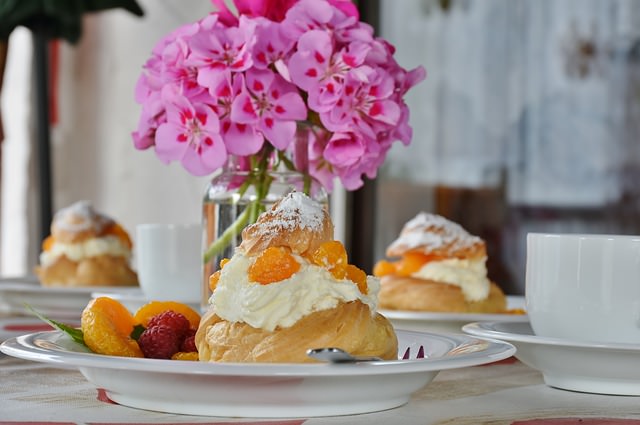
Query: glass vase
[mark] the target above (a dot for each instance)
(226, 209)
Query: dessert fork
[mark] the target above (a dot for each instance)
(407, 353)
(338, 355)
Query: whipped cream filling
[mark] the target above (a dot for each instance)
(108, 245)
(469, 275)
(282, 304)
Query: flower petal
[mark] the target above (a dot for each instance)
(344, 149)
(243, 110)
(171, 142)
(279, 133)
(308, 65)
(289, 106)
(241, 139)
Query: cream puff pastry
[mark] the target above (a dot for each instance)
(442, 268)
(288, 288)
(85, 248)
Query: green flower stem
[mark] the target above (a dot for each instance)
(225, 239)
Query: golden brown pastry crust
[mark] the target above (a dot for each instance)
(349, 326)
(103, 270)
(413, 294)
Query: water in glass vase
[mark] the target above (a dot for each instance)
(217, 216)
(226, 209)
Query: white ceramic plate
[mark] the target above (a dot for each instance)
(571, 365)
(451, 322)
(260, 389)
(53, 302)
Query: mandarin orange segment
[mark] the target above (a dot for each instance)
(107, 326)
(116, 230)
(153, 308)
(273, 265)
(383, 268)
(329, 255)
(48, 243)
(412, 262)
(359, 277)
(215, 277)
(339, 272)
(183, 355)
(213, 280)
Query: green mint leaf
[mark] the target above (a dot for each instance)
(74, 333)
(137, 331)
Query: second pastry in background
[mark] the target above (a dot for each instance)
(86, 248)
(439, 267)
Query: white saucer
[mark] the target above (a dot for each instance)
(571, 365)
(263, 389)
(451, 322)
(133, 298)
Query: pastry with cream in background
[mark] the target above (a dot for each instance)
(86, 248)
(438, 267)
(289, 287)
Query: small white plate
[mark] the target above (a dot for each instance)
(261, 389)
(133, 298)
(570, 365)
(451, 322)
(53, 302)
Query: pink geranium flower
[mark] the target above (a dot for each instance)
(153, 113)
(272, 46)
(191, 136)
(219, 51)
(271, 104)
(315, 68)
(366, 104)
(240, 139)
(234, 84)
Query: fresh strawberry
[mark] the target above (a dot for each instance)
(189, 342)
(159, 342)
(176, 321)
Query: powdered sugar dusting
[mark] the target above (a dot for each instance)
(432, 232)
(79, 217)
(295, 210)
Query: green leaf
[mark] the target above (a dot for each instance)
(137, 331)
(74, 333)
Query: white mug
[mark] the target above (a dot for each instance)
(168, 258)
(582, 287)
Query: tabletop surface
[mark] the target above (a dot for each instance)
(506, 392)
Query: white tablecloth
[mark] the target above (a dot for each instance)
(507, 392)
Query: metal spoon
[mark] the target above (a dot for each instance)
(337, 355)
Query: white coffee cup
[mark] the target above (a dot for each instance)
(582, 287)
(168, 258)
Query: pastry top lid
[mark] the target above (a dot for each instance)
(295, 221)
(79, 221)
(433, 234)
